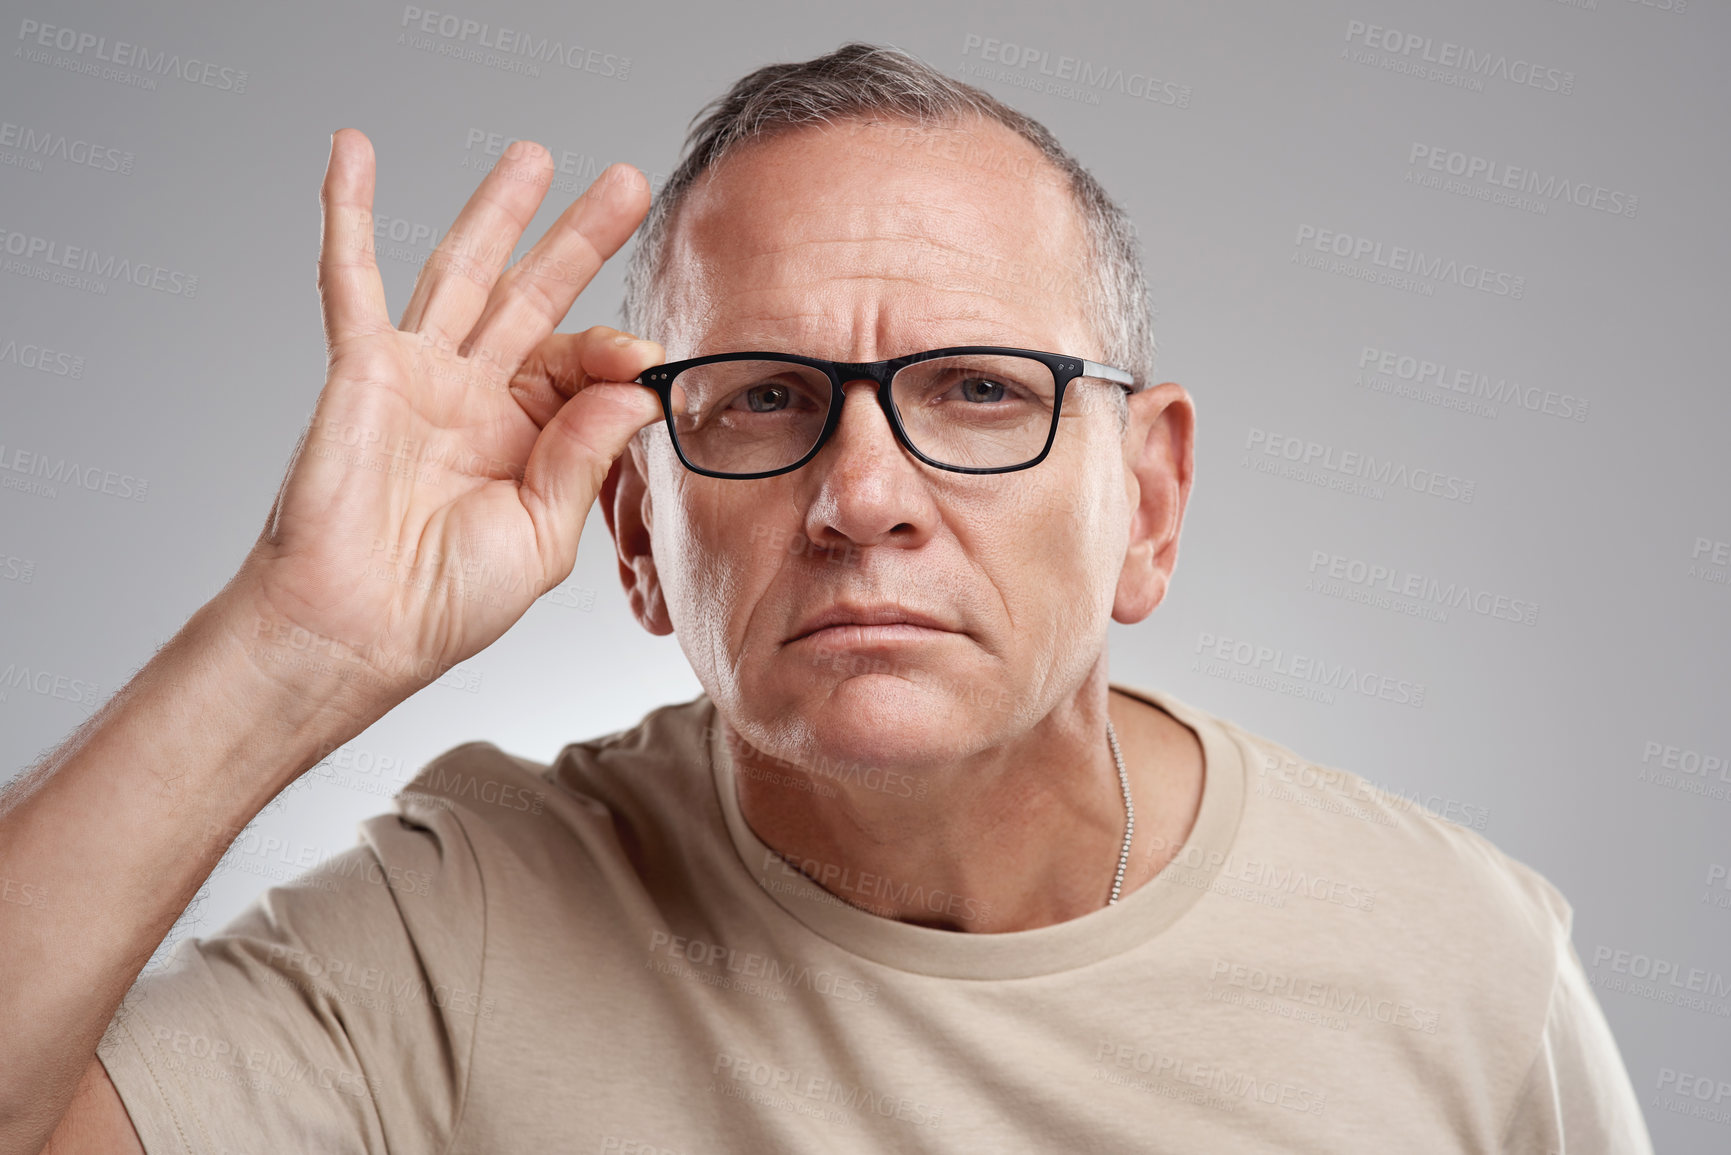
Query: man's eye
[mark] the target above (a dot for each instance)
(765, 398)
(769, 397)
(981, 389)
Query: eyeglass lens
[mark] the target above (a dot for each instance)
(975, 411)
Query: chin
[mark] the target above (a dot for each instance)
(886, 719)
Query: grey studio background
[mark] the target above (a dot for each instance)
(1447, 283)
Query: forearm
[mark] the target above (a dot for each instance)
(104, 843)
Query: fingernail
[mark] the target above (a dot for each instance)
(624, 339)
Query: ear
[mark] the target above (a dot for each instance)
(1159, 461)
(625, 503)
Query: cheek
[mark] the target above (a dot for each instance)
(1042, 552)
(1071, 557)
(1075, 544)
(719, 557)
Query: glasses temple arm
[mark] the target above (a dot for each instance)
(1107, 373)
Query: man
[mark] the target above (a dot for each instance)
(911, 874)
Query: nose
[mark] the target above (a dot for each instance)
(860, 412)
(863, 431)
(870, 490)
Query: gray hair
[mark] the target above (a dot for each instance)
(862, 82)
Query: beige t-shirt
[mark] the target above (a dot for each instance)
(600, 956)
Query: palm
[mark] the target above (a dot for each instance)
(444, 480)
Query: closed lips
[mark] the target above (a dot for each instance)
(868, 616)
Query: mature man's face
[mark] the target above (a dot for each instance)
(861, 242)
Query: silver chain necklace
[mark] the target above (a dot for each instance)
(1129, 813)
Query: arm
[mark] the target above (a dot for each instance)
(117, 830)
(483, 438)
(1577, 1099)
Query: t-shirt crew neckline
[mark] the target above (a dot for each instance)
(1100, 934)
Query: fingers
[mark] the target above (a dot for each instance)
(534, 295)
(566, 363)
(350, 291)
(571, 457)
(457, 279)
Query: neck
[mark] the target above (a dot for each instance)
(1018, 835)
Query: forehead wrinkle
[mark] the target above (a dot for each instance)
(884, 211)
(983, 264)
(921, 283)
(897, 245)
(771, 332)
(925, 218)
(940, 277)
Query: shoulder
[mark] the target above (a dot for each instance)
(1475, 929)
(1425, 912)
(486, 780)
(1459, 942)
(1375, 887)
(510, 807)
(1423, 853)
(479, 778)
(1420, 851)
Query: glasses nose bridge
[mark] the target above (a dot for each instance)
(877, 372)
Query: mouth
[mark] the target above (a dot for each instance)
(870, 624)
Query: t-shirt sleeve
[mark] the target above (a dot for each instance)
(336, 1014)
(1577, 1099)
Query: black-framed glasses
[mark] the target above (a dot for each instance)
(965, 408)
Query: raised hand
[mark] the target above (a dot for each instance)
(452, 459)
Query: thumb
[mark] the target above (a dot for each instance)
(571, 458)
